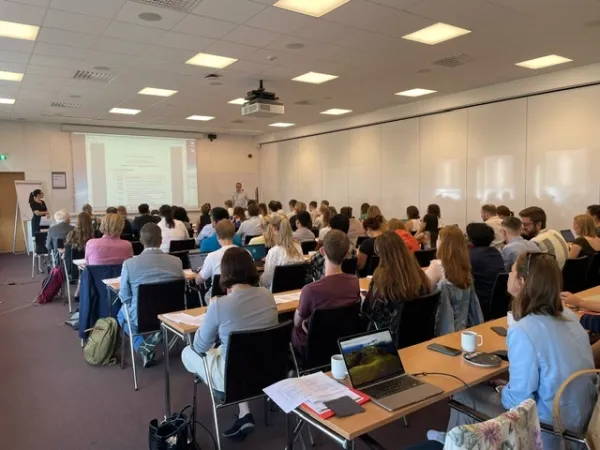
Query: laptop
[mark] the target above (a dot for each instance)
(567, 235)
(258, 252)
(375, 368)
(197, 260)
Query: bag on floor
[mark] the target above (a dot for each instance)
(50, 286)
(173, 433)
(101, 343)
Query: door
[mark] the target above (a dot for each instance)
(8, 204)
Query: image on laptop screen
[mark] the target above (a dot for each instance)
(258, 252)
(197, 260)
(567, 235)
(371, 357)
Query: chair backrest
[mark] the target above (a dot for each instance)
(247, 239)
(216, 289)
(308, 246)
(60, 243)
(360, 240)
(183, 244)
(373, 264)
(93, 296)
(248, 370)
(424, 257)
(184, 257)
(315, 231)
(159, 298)
(574, 272)
(349, 266)
(127, 237)
(289, 278)
(592, 277)
(138, 248)
(325, 327)
(40, 243)
(499, 299)
(416, 322)
(70, 255)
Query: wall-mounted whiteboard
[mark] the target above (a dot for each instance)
(24, 188)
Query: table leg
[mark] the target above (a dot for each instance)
(291, 435)
(167, 372)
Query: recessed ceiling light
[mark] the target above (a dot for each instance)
(102, 68)
(7, 101)
(436, 33)
(238, 101)
(315, 8)
(18, 31)
(75, 96)
(336, 111)
(130, 112)
(415, 92)
(544, 61)
(282, 124)
(11, 76)
(202, 118)
(315, 78)
(150, 17)
(157, 92)
(208, 60)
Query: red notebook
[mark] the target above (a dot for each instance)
(329, 413)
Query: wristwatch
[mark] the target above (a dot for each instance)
(498, 388)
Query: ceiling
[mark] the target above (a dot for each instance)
(360, 42)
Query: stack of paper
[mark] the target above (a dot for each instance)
(112, 280)
(286, 298)
(184, 318)
(79, 262)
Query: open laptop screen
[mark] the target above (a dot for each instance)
(371, 357)
(258, 252)
(197, 260)
(567, 235)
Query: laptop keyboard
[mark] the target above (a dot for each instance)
(392, 387)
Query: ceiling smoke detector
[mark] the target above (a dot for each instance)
(150, 17)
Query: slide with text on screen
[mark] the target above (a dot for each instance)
(113, 170)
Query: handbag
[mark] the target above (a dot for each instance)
(592, 435)
(173, 433)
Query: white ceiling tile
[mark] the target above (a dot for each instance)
(238, 11)
(250, 67)
(184, 41)
(50, 71)
(100, 8)
(16, 45)
(129, 13)
(69, 38)
(79, 23)
(323, 31)
(112, 45)
(367, 40)
(265, 2)
(37, 81)
(135, 33)
(358, 13)
(100, 58)
(13, 57)
(60, 51)
(41, 60)
(398, 24)
(21, 13)
(280, 20)
(42, 3)
(204, 26)
(252, 36)
(12, 67)
(169, 54)
(230, 49)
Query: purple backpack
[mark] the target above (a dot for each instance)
(51, 285)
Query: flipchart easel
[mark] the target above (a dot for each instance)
(23, 211)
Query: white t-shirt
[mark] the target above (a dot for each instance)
(323, 232)
(277, 256)
(178, 233)
(212, 263)
(251, 227)
(496, 224)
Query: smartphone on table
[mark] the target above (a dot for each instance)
(444, 349)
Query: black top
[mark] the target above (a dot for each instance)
(35, 221)
(598, 231)
(586, 248)
(366, 248)
(139, 222)
(486, 263)
(204, 220)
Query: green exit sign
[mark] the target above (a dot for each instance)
(3, 157)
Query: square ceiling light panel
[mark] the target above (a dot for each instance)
(314, 8)
(201, 118)
(544, 61)
(126, 111)
(208, 60)
(238, 101)
(11, 76)
(281, 125)
(436, 33)
(417, 92)
(7, 101)
(315, 78)
(336, 111)
(18, 31)
(157, 92)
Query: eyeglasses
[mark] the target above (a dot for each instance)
(531, 256)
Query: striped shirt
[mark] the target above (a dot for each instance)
(552, 242)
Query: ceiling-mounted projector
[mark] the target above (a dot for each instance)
(261, 103)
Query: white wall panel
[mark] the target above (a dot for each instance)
(443, 139)
(496, 156)
(364, 167)
(334, 157)
(399, 182)
(563, 153)
(287, 170)
(310, 185)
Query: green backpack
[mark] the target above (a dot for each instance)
(102, 343)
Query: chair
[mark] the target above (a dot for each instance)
(153, 300)
(217, 290)
(71, 270)
(592, 277)
(373, 264)
(247, 239)
(315, 231)
(127, 237)
(459, 309)
(499, 299)
(325, 327)
(181, 245)
(39, 251)
(360, 240)
(289, 278)
(184, 257)
(349, 266)
(138, 248)
(424, 257)
(574, 272)
(247, 371)
(416, 323)
(308, 246)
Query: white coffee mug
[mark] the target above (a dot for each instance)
(468, 341)
(510, 319)
(311, 254)
(338, 367)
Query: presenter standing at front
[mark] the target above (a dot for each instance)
(39, 209)
(239, 198)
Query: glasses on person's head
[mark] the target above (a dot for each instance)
(531, 256)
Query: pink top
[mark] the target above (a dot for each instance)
(107, 250)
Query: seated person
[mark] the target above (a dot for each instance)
(143, 219)
(212, 263)
(356, 229)
(313, 210)
(333, 290)
(83, 232)
(245, 307)
(239, 217)
(204, 217)
(545, 346)
(317, 263)
(151, 266)
(229, 205)
(398, 277)
(180, 213)
(413, 222)
(594, 212)
(428, 231)
(374, 227)
(286, 251)
(300, 207)
(252, 226)
(587, 242)
(59, 230)
(486, 261)
(453, 264)
(303, 231)
(547, 239)
(515, 244)
(268, 236)
(170, 228)
(321, 221)
(210, 243)
(127, 228)
(292, 205)
(409, 240)
(110, 248)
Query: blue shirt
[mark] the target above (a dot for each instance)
(543, 352)
(514, 248)
(211, 244)
(205, 232)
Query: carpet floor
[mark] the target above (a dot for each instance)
(51, 399)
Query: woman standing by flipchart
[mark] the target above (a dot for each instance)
(39, 209)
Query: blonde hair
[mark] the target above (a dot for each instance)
(112, 225)
(395, 224)
(454, 254)
(285, 238)
(374, 211)
(300, 206)
(586, 225)
(268, 232)
(325, 215)
(61, 215)
(82, 232)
